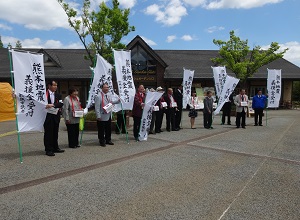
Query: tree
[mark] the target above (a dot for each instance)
(99, 31)
(1, 44)
(9, 46)
(236, 55)
(18, 44)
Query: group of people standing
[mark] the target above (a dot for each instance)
(169, 104)
(72, 111)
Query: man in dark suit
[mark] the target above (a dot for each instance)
(178, 113)
(208, 110)
(160, 113)
(170, 111)
(51, 124)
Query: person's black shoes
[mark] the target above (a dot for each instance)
(50, 153)
(109, 143)
(58, 150)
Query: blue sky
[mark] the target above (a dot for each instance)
(163, 24)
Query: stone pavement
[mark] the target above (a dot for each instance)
(223, 173)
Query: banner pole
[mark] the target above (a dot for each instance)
(118, 125)
(91, 81)
(267, 111)
(82, 131)
(15, 107)
(124, 121)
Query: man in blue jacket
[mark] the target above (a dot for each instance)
(258, 104)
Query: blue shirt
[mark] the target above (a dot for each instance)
(259, 101)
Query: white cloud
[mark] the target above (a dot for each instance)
(246, 4)
(214, 29)
(148, 41)
(34, 14)
(38, 43)
(168, 13)
(127, 3)
(187, 37)
(5, 27)
(171, 38)
(292, 54)
(7, 39)
(94, 4)
(195, 3)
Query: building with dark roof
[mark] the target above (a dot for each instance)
(151, 68)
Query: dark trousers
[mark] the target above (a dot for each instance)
(207, 120)
(51, 127)
(159, 119)
(136, 126)
(258, 113)
(226, 112)
(178, 117)
(73, 134)
(170, 116)
(153, 120)
(240, 115)
(120, 123)
(104, 131)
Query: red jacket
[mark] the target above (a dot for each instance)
(137, 109)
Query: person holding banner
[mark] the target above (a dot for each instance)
(178, 98)
(170, 111)
(241, 102)
(258, 104)
(72, 112)
(137, 110)
(153, 120)
(227, 110)
(208, 110)
(103, 109)
(51, 124)
(193, 109)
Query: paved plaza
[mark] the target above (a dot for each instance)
(221, 173)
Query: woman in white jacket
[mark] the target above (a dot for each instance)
(71, 113)
(193, 112)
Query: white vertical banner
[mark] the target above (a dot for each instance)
(124, 78)
(188, 76)
(30, 90)
(274, 87)
(102, 74)
(228, 88)
(220, 74)
(150, 101)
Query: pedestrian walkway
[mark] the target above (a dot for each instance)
(220, 173)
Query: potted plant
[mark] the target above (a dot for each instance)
(91, 121)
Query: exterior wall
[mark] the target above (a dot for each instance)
(287, 89)
(160, 80)
(82, 86)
